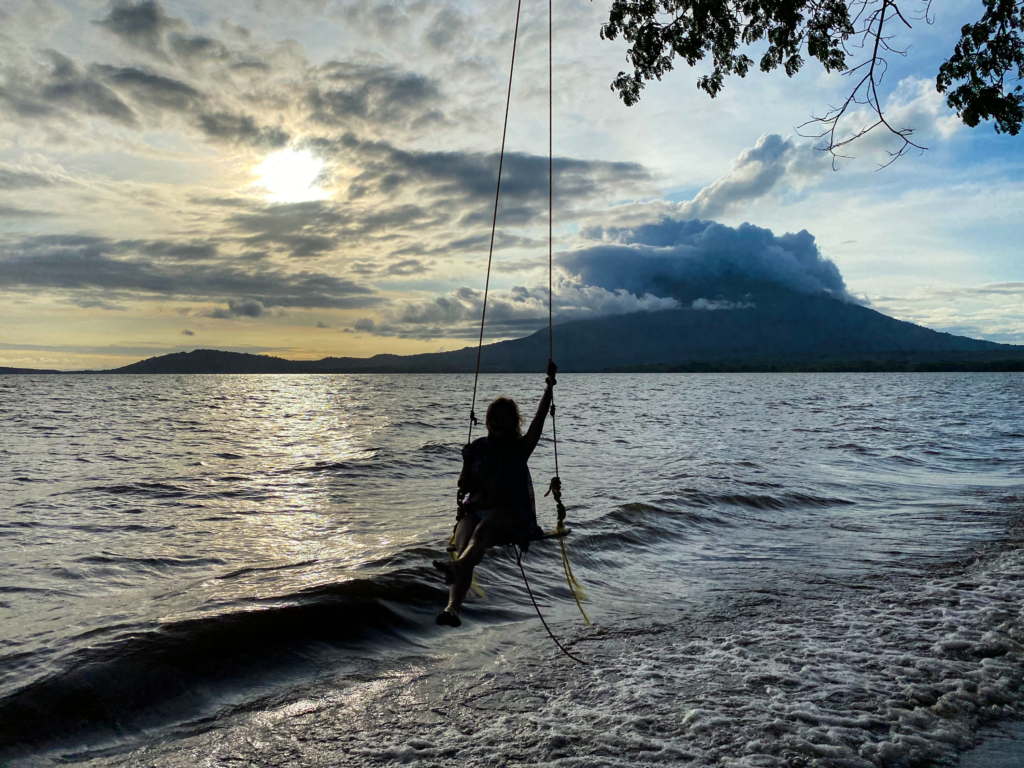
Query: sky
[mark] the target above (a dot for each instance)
(311, 178)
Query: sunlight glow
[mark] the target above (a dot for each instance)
(288, 176)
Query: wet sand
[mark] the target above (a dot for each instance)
(1001, 746)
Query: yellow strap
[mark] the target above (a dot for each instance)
(574, 586)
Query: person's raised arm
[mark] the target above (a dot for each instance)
(532, 436)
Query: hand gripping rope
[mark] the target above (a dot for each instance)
(555, 487)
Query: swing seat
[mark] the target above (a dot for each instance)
(546, 535)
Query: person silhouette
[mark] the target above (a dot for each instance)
(496, 491)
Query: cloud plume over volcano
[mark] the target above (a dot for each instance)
(689, 259)
(668, 264)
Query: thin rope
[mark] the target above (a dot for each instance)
(551, 217)
(519, 562)
(574, 585)
(494, 225)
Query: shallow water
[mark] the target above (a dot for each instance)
(806, 569)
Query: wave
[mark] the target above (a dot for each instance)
(154, 673)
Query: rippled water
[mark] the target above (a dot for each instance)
(782, 570)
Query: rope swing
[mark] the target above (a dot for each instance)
(555, 486)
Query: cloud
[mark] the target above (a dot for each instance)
(187, 332)
(14, 180)
(687, 259)
(321, 324)
(350, 93)
(446, 28)
(463, 183)
(141, 25)
(151, 88)
(755, 173)
(406, 267)
(718, 304)
(993, 311)
(119, 93)
(914, 104)
(13, 212)
(169, 249)
(473, 243)
(197, 47)
(65, 89)
(84, 266)
(514, 312)
(318, 227)
(239, 308)
(240, 128)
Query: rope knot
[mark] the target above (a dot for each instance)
(472, 418)
(555, 487)
(552, 410)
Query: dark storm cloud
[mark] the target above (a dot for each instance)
(190, 47)
(238, 128)
(91, 266)
(66, 89)
(151, 88)
(471, 176)
(377, 94)
(683, 258)
(319, 227)
(126, 95)
(303, 229)
(101, 90)
(142, 25)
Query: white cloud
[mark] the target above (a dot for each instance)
(511, 312)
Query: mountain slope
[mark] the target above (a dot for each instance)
(784, 326)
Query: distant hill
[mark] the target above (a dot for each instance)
(785, 331)
(214, 361)
(25, 370)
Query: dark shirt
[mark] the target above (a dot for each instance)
(496, 477)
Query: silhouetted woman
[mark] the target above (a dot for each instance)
(499, 504)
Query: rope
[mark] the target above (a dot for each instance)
(556, 482)
(551, 243)
(494, 226)
(555, 488)
(551, 196)
(519, 562)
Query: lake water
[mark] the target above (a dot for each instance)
(782, 570)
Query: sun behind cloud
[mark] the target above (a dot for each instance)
(289, 176)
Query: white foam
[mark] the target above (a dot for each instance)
(888, 678)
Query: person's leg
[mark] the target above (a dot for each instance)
(496, 528)
(464, 532)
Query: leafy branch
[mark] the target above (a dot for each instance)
(835, 32)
